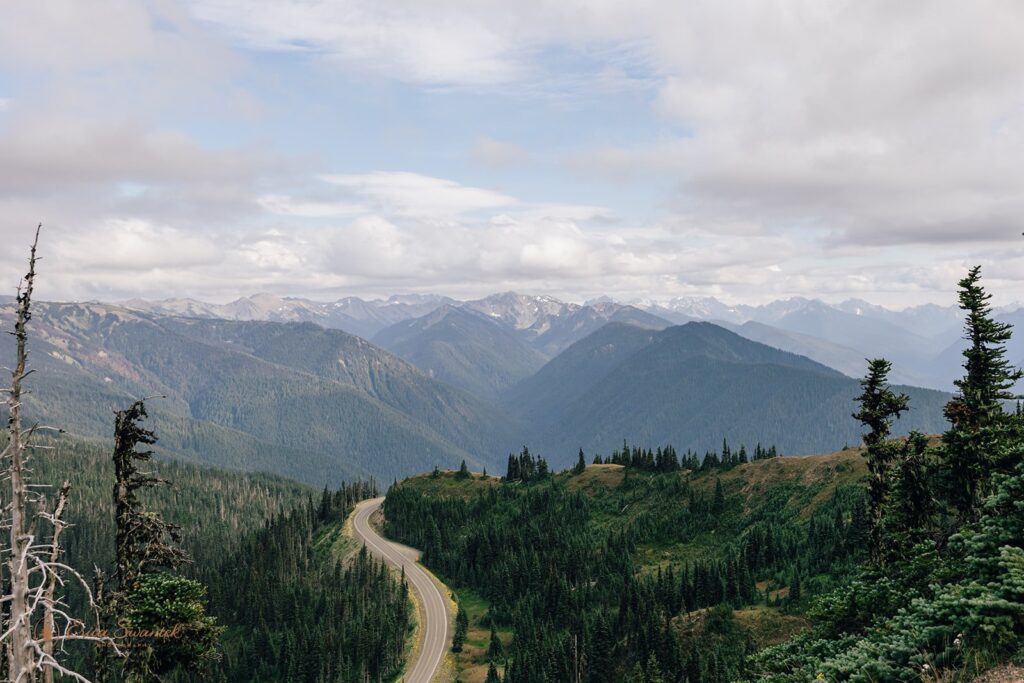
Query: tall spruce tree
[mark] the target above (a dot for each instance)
(581, 464)
(495, 650)
(461, 629)
(879, 404)
(977, 419)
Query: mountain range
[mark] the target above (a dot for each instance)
(277, 384)
(297, 399)
(918, 339)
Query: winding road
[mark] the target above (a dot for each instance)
(434, 635)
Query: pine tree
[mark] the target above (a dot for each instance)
(495, 650)
(463, 471)
(461, 629)
(492, 674)
(879, 404)
(976, 413)
(581, 464)
(718, 506)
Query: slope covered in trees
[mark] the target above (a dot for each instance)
(316, 405)
(899, 561)
(601, 571)
(691, 386)
(272, 555)
(943, 595)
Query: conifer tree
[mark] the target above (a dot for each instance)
(148, 596)
(879, 404)
(976, 415)
(495, 650)
(581, 464)
(718, 506)
(461, 629)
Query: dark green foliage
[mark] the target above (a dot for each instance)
(581, 464)
(950, 601)
(558, 567)
(665, 459)
(495, 650)
(463, 472)
(172, 604)
(145, 594)
(461, 629)
(879, 405)
(525, 467)
(298, 613)
(978, 422)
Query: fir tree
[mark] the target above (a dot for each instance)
(976, 413)
(581, 464)
(461, 629)
(495, 650)
(718, 506)
(879, 404)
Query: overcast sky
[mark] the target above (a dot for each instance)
(641, 148)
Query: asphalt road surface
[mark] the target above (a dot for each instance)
(434, 635)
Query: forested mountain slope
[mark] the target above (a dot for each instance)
(693, 385)
(606, 569)
(262, 545)
(318, 405)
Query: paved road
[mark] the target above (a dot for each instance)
(434, 635)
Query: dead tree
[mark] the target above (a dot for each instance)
(34, 568)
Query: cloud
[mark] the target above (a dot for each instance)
(498, 154)
(53, 152)
(869, 123)
(407, 40)
(764, 149)
(413, 194)
(135, 245)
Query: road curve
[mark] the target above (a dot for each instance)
(434, 636)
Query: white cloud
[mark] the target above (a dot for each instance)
(408, 40)
(412, 194)
(808, 144)
(135, 245)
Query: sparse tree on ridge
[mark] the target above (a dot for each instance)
(581, 464)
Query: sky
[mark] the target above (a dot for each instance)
(641, 149)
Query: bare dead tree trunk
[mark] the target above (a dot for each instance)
(20, 654)
(33, 570)
(49, 621)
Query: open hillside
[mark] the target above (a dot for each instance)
(692, 386)
(316, 405)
